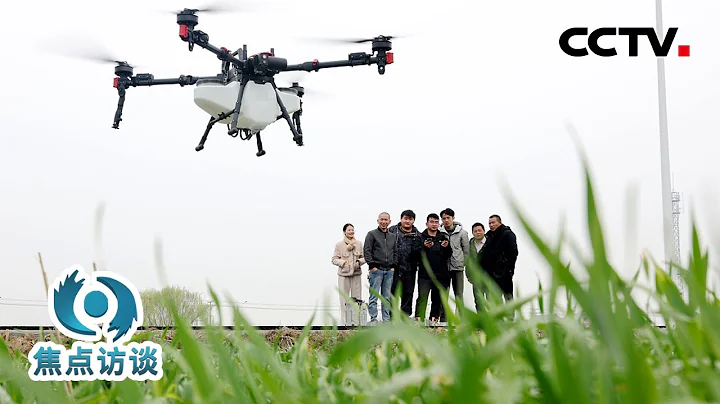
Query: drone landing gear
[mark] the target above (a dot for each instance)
(236, 112)
(296, 120)
(261, 151)
(210, 124)
(297, 137)
(118, 111)
(224, 115)
(293, 122)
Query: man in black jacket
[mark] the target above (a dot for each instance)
(381, 255)
(409, 247)
(437, 253)
(499, 255)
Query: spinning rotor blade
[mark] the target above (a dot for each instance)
(358, 40)
(102, 58)
(220, 7)
(291, 79)
(90, 52)
(98, 58)
(310, 92)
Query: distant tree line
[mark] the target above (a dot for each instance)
(191, 306)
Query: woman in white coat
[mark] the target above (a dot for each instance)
(348, 257)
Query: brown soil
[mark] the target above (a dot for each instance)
(23, 341)
(285, 338)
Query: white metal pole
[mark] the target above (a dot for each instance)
(664, 147)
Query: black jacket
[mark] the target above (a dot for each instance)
(474, 260)
(380, 249)
(500, 253)
(437, 256)
(409, 247)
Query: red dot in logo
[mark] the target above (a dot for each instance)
(684, 50)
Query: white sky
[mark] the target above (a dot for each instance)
(479, 92)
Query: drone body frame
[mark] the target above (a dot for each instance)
(244, 95)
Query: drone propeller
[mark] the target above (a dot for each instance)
(360, 40)
(108, 60)
(90, 51)
(217, 7)
(294, 80)
(291, 77)
(101, 58)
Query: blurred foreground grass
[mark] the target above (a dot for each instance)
(613, 354)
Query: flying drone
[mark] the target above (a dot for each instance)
(244, 95)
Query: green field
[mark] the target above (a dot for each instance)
(614, 354)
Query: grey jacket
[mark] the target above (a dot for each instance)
(460, 244)
(381, 249)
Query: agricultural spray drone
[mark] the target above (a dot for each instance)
(244, 95)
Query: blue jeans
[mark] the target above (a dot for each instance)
(381, 281)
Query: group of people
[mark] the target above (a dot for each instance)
(394, 256)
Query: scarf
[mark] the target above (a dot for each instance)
(350, 243)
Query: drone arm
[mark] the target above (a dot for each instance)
(222, 53)
(354, 59)
(382, 59)
(146, 80)
(202, 39)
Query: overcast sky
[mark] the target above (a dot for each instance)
(479, 94)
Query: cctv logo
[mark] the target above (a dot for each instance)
(78, 303)
(633, 34)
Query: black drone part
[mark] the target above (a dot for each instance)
(123, 69)
(381, 44)
(266, 62)
(298, 88)
(187, 18)
(363, 40)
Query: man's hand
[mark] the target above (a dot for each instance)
(444, 243)
(428, 243)
(373, 269)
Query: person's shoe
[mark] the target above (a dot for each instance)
(373, 323)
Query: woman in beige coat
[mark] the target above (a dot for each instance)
(348, 257)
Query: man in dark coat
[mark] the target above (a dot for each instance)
(499, 255)
(381, 255)
(409, 245)
(437, 253)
